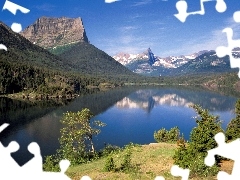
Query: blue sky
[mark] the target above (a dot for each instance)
(132, 26)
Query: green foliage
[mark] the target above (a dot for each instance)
(60, 49)
(86, 58)
(126, 164)
(233, 128)
(164, 135)
(109, 149)
(124, 156)
(192, 155)
(76, 143)
(109, 165)
(51, 164)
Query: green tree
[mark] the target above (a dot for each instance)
(233, 128)
(192, 155)
(76, 141)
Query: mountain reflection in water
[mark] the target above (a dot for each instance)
(131, 115)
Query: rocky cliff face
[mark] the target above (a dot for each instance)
(51, 32)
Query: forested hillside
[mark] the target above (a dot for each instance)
(30, 68)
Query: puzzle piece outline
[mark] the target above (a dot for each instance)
(13, 8)
(176, 171)
(222, 51)
(33, 168)
(182, 7)
(228, 150)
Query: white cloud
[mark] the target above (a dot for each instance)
(111, 1)
(142, 2)
(45, 7)
(127, 29)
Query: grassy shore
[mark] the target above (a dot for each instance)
(149, 161)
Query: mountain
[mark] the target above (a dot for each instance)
(66, 37)
(29, 68)
(200, 62)
(88, 59)
(49, 32)
(22, 51)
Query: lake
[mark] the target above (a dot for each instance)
(131, 115)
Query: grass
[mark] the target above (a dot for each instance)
(148, 162)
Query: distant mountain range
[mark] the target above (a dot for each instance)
(200, 62)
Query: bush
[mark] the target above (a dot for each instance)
(192, 155)
(126, 164)
(125, 159)
(109, 165)
(163, 135)
(109, 149)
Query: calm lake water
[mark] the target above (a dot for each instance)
(131, 115)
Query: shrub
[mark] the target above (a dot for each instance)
(109, 165)
(50, 164)
(163, 135)
(126, 164)
(192, 155)
(109, 149)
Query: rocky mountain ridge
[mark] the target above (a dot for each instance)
(199, 62)
(50, 32)
(167, 62)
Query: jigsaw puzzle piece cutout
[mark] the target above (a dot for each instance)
(2, 46)
(182, 7)
(222, 51)
(12, 7)
(85, 178)
(223, 149)
(5, 125)
(159, 178)
(223, 176)
(177, 171)
(221, 6)
(228, 150)
(5, 156)
(236, 16)
(30, 173)
(16, 27)
(64, 164)
(34, 165)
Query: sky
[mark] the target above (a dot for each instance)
(133, 26)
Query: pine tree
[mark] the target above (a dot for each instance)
(233, 128)
(192, 155)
